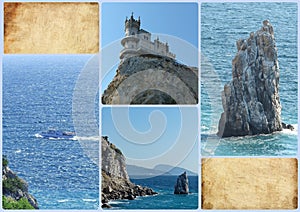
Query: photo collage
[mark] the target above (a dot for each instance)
(149, 106)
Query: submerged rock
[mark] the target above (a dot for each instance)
(251, 100)
(182, 184)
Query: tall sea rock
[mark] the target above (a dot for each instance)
(251, 100)
(115, 181)
(182, 184)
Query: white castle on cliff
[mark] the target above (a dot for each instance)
(138, 41)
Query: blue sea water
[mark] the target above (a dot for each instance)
(37, 95)
(222, 24)
(165, 199)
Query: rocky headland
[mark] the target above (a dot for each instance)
(182, 184)
(115, 180)
(15, 190)
(251, 100)
(152, 79)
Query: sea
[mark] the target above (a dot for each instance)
(222, 24)
(165, 199)
(37, 95)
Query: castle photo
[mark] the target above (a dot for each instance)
(150, 56)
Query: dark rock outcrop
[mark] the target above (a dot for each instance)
(182, 184)
(115, 181)
(15, 188)
(287, 126)
(251, 100)
(152, 79)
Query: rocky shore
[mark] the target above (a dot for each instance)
(115, 182)
(15, 190)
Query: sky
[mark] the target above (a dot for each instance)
(176, 19)
(149, 136)
(175, 23)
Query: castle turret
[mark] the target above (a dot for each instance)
(132, 26)
(138, 41)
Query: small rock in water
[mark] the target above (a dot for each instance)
(287, 126)
(182, 184)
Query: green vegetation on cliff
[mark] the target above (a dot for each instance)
(12, 185)
(9, 203)
(15, 190)
(4, 161)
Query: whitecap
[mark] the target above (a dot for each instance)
(38, 135)
(114, 202)
(87, 138)
(291, 132)
(63, 200)
(18, 151)
(89, 200)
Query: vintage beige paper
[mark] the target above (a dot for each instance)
(249, 183)
(51, 28)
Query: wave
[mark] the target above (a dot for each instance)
(63, 200)
(284, 131)
(87, 138)
(115, 202)
(89, 200)
(291, 132)
(37, 135)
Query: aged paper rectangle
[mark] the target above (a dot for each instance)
(249, 183)
(51, 28)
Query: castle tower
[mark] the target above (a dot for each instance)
(132, 26)
(137, 41)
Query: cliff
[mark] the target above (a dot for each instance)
(15, 190)
(152, 79)
(251, 100)
(115, 181)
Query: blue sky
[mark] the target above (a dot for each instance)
(150, 136)
(175, 23)
(176, 19)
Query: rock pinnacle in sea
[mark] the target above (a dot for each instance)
(251, 100)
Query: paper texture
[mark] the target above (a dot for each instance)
(249, 183)
(51, 28)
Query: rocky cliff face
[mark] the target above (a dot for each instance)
(15, 188)
(152, 79)
(251, 100)
(113, 161)
(182, 184)
(115, 181)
